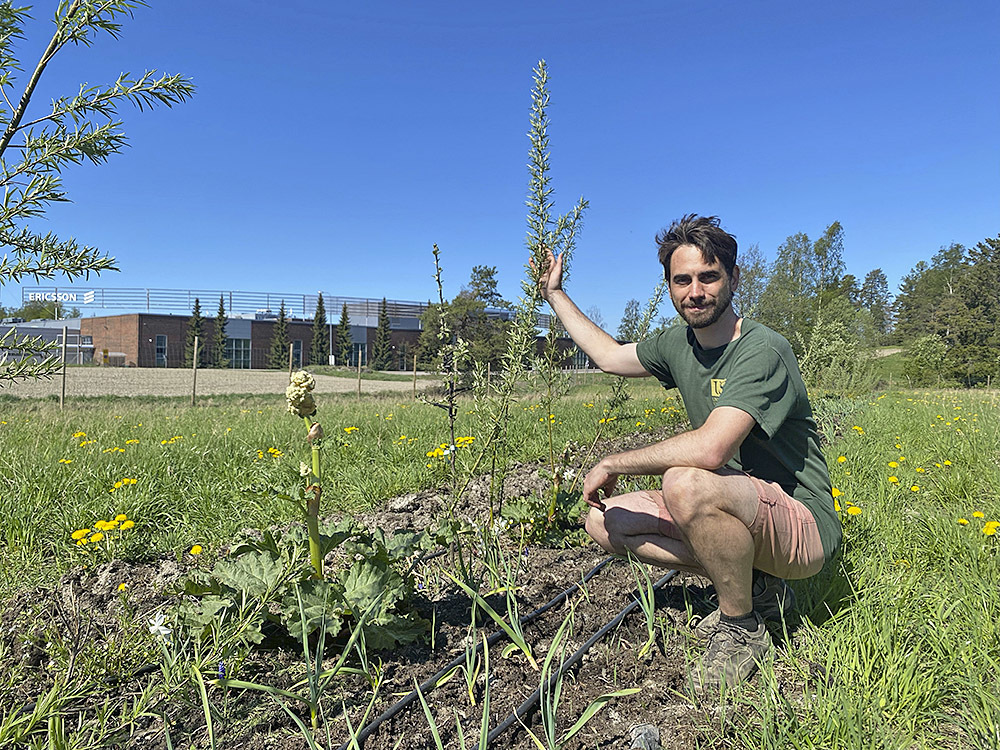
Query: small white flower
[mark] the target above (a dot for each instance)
(156, 626)
(304, 469)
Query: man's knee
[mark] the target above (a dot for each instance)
(596, 528)
(687, 492)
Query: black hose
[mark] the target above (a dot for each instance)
(431, 683)
(529, 704)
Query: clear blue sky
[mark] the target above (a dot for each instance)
(329, 145)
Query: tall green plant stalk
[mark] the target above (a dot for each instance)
(544, 232)
(301, 403)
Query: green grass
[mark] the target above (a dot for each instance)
(900, 644)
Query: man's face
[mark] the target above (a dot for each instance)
(700, 291)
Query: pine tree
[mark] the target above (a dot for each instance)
(196, 328)
(382, 349)
(40, 137)
(279, 341)
(219, 336)
(345, 347)
(319, 350)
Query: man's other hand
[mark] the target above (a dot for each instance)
(598, 480)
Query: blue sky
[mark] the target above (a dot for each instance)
(329, 145)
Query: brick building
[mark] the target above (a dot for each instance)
(157, 340)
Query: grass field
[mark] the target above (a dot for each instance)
(903, 626)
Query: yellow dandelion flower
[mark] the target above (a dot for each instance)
(915, 488)
(919, 470)
(65, 460)
(836, 506)
(96, 537)
(978, 514)
(947, 462)
(841, 459)
(963, 521)
(79, 434)
(196, 549)
(893, 465)
(836, 492)
(133, 441)
(894, 480)
(80, 534)
(349, 430)
(127, 524)
(122, 586)
(854, 510)
(991, 528)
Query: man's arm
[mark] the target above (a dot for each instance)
(709, 447)
(603, 350)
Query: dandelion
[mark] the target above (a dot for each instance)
(991, 528)
(947, 462)
(66, 460)
(854, 510)
(978, 514)
(127, 524)
(963, 521)
(915, 488)
(132, 441)
(96, 538)
(836, 506)
(79, 534)
(196, 549)
(122, 586)
(919, 470)
(349, 430)
(893, 465)
(894, 480)
(79, 434)
(836, 492)
(841, 459)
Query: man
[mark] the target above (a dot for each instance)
(746, 497)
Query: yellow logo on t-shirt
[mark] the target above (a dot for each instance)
(717, 384)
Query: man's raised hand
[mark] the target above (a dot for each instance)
(550, 279)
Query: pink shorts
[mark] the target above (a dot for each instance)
(786, 540)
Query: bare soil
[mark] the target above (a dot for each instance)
(88, 605)
(136, 381)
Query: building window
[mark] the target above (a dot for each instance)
(161, 350)
(238, 353)
(297, 353)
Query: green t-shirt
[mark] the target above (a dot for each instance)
(758, 374)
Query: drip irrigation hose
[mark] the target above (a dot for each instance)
(431, 683)
(529, 704)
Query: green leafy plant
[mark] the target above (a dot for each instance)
(646, 596)
(266, 586)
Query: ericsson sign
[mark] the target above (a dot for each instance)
(86, 298)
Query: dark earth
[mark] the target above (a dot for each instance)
(84, 615)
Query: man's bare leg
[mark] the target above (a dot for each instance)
(712, 512)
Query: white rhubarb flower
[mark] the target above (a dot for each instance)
(300, 400)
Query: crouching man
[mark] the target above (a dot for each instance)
(746, 497)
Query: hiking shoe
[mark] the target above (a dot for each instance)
(773, 600)
(731, 656)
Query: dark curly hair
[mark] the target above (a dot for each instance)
(704, 233)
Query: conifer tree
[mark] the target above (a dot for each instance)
(40, 137)
(279, 341)
(319, 350)
(345, 347)
(219, 336)
(196, 327)
(382, 349)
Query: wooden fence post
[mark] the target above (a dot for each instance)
(290, 348)
(62, 393)
(194, 371)
(414, 376)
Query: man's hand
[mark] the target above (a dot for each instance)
(598, 480)
(550, 279)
